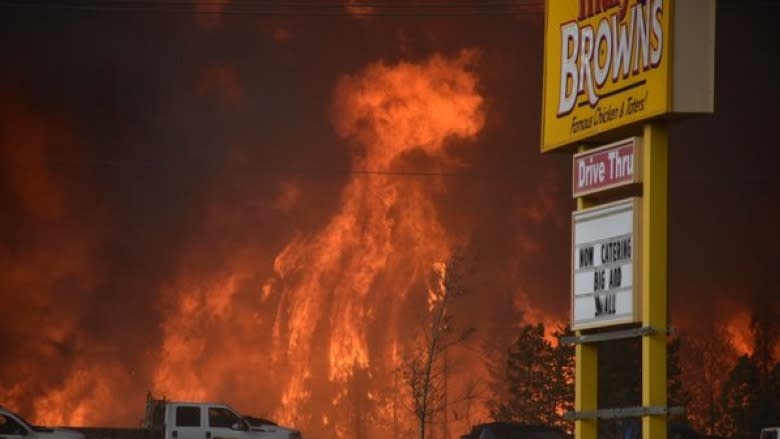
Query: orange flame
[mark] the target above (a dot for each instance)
(533, 315)
(339, 294)
(738, 327)
(385, 224)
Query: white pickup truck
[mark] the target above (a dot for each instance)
(207, 420)
(13, 426)
(770, 433)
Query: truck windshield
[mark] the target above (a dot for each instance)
(222, 417)
(769, 434)
(24, 422)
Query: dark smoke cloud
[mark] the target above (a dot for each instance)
(130, 142)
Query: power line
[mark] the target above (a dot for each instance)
(366, 8)
(250, 168)
(295, 7)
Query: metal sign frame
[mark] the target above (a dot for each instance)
(633, 205)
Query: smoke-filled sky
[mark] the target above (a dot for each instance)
(246, 207)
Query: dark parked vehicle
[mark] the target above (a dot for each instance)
(514, 430)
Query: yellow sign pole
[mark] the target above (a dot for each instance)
(654, 300)
(586, 360)
(586, 388)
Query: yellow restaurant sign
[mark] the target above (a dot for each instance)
(609, 63)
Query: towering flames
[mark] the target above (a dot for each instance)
(339, 293)
(128, 263)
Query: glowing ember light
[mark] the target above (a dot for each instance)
(739, 328)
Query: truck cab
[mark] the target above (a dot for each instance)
(206, 420)
(770, 433)
(13, 426)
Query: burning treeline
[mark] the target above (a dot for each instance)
(210, 286)
(319, 342)
(336, 311)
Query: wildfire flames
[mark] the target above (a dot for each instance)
(324, 332)
(269, 292)
(318, 343)
(739, 330)
(338, 295)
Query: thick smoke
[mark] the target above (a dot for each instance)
(180, 195)
(60, 356)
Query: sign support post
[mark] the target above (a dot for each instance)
(586, 389)
(586, 361)
(654, 279)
